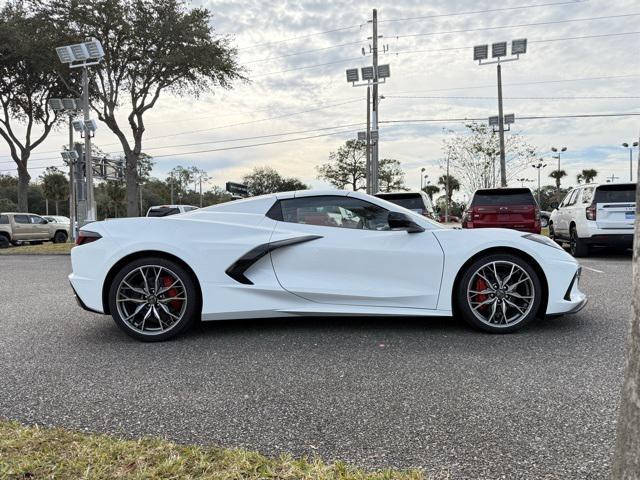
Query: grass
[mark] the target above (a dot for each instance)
(32, 452)
(48, 248)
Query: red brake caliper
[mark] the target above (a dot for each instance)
(172, 292)
(480, 286)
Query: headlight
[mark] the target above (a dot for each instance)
(542, 239)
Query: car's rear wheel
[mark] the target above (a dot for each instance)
(552, 232)
(4, 242)
(153, 299)
(499, 293)
(577, 246)
(60, 237)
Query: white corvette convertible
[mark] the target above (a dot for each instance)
(315, 253)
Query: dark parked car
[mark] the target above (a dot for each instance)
(503, 208)
(417, 201)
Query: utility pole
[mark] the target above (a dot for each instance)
(200, 190)
(374, 160)
(91, 204)
(171, 176)
(72, 190)
(503, 163)
(446, 193)
(368, 166)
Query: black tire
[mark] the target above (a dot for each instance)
(462, 302)
(60, 237)
(552, 232)
(577, 246)
(193, 301)
(4, 242)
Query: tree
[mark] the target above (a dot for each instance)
(347, 166)
(474, 157)
(263, 180)
(550, 197)
(431, 190)
(557, 175)
(454, 184)
(588, 175)
(29, 78)
(180, 177)
(55, 185)
(151, 47)
(390, 175)
(626, 463)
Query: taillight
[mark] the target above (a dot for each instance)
(591, 212)
(86, 236)
(536, 222)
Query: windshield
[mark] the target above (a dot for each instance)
(412, 202)
(162, 212)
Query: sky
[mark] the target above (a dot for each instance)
(295, 54)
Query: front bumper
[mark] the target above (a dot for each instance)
(566, 298)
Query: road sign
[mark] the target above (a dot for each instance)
(237, 189)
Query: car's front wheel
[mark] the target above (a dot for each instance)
(153, 299)
(499, 293)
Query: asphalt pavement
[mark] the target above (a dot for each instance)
(407, 392)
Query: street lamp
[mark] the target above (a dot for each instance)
(498, 52)
(558, 151)
(539, 166)
(523, 180)
(70, 106)
(83, 55)
(630, 147)
(422, 175)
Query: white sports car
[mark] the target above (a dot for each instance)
(315, 253)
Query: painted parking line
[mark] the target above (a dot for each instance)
(592, 269)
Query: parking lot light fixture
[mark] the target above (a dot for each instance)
(539, 166)
(630, 147)
(83, 55)
(557, 157)
(499, 55)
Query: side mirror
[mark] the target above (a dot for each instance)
(402, 221)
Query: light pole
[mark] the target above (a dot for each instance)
(499, 51)
(630, 147)
(558, 151)
(422, 175)
(83, 55)
(522, 180)
(69, 106)
(372, 76)
(539, 166)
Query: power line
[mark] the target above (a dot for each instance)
(412, 35)
(223, 148)
(538, 82)
(451, 14)
(531, 117)
(498, 27)
(208, 142)
(435, 97)
(473, 12)
(434, 50)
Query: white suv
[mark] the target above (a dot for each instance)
(595, 214)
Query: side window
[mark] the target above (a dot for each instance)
(571, 199)
(587, 195)
(37, 220)
(335, 211)
(21, 219)
(4, 220)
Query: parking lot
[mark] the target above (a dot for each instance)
(377, 392)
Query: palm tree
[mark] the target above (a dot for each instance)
(557, 175)
(454, 184)
(588, 174)
(431, 190)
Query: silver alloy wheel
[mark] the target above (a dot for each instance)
(151, 299)
(501, 293)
